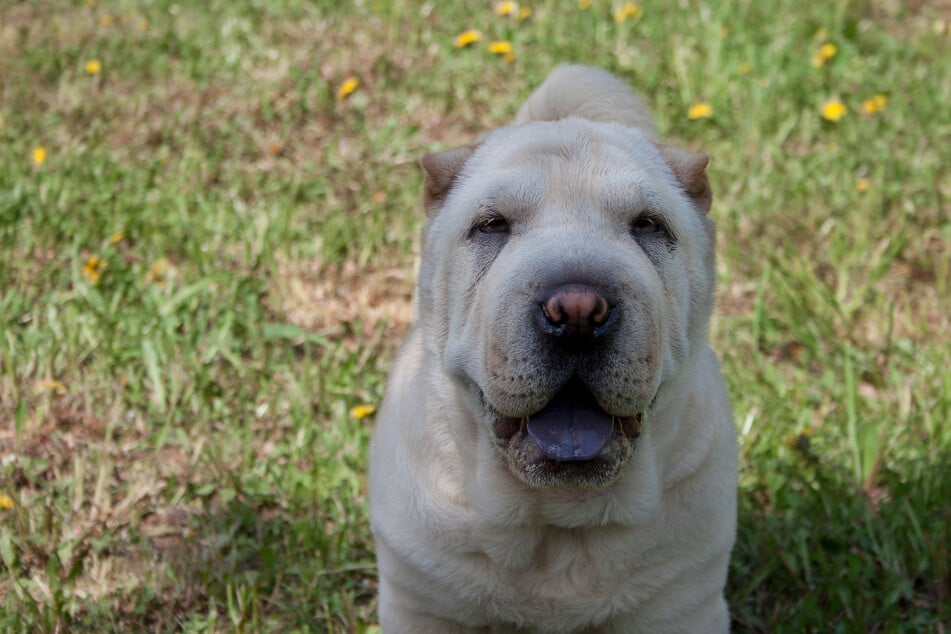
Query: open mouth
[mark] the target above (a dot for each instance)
(568, 438)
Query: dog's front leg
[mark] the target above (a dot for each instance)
(710, 617)
(401, 616)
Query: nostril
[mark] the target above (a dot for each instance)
(575, 309)
(600, 312)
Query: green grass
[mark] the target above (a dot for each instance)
(176, 438)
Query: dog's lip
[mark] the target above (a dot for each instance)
(571, 427)
(507, 426)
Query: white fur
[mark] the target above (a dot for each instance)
(464, 545)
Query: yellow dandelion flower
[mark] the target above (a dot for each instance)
(378, 197)
(49, 385)
(105, 20)
(158, 270)
(362, 411)
(39, 155)
(6, 502)
(700, 110)
(93, 268)
(93, 66)
(524, 13)
(506, 8)
(116, 238)
(874, 104)
(500, 47)
(862, 185)
(745, 68)
(142, 25)
(347, 87)
(584, 4)
(467, 37)
(826, 52)
(628, 10)
(833, 110)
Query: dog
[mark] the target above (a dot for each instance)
(555, 451)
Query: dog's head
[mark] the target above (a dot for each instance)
(567, 274)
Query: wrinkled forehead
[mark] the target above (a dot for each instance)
(571, 160)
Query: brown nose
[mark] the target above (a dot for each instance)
(576, 310)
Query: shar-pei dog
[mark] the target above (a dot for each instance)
(556, 451)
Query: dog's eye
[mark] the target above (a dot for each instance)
(645, 225)
(494, 224)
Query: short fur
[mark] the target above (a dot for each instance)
(469, 539)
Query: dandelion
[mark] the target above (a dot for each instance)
(874, 104)
(142, 25)
(93, 268)
(628, 10)
(378, 197)
(833, 110)
(6, 502)
(745, 68)
(584, 4)
(105, 21)
(49, 385)
(362, 411)
(826, 52)
(93, 66)
(467, 37)
(524, 13)
(700, 110)
(158, 271)
(506, 8)
(500, 47)
(862, 185)
(347, 87)
(39, 155)
(116, 238)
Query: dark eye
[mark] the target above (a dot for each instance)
(645, 225)
(493, 224)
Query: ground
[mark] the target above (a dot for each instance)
(209, 219)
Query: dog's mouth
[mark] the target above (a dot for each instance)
(570, 440)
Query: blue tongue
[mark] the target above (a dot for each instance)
(571, 427)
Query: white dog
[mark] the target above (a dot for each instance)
(556, 450)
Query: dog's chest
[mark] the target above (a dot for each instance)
(565, 574)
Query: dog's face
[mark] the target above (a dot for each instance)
(567, 272)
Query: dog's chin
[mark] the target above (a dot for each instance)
(571, 442)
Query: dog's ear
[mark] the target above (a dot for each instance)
(442, 168)
(691, 171)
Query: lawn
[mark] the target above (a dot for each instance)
(209, 219)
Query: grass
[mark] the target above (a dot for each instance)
(177, 447)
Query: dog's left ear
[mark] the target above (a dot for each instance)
(691, 171)
(442, 168)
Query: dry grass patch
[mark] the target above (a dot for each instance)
(343, 301)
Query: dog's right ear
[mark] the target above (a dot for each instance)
(442, 168)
